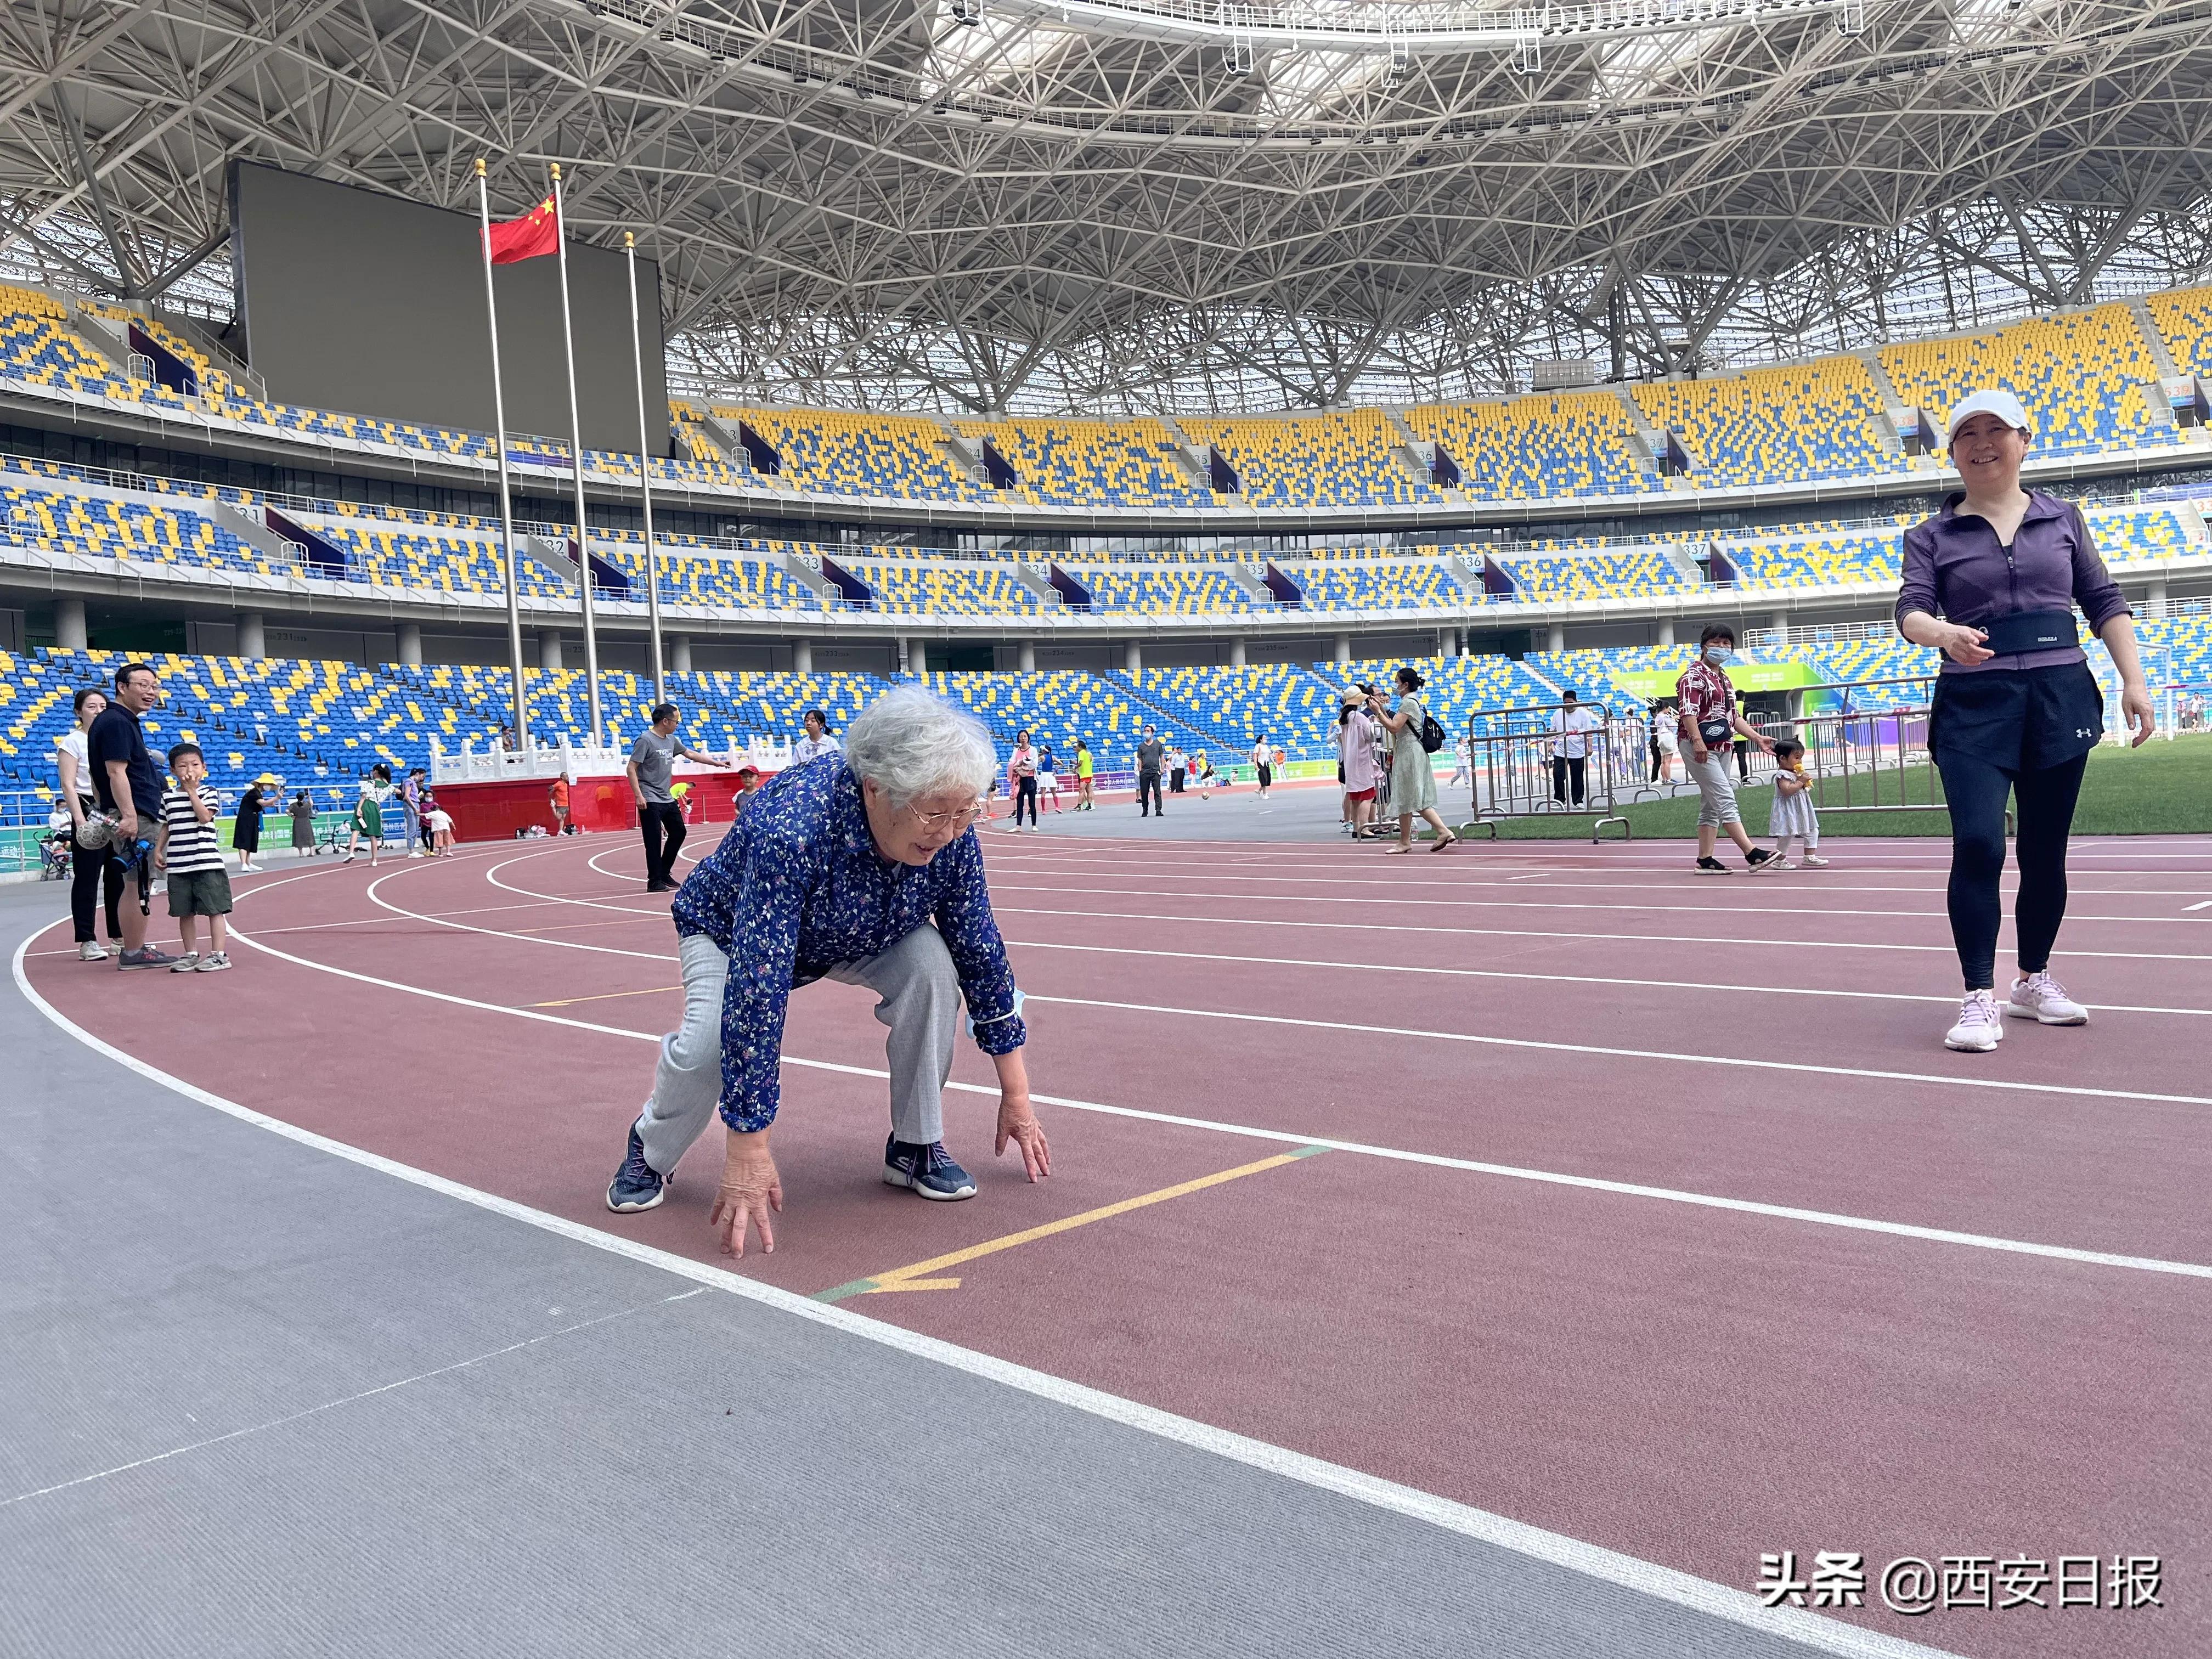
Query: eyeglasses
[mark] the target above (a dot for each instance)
(959, 818)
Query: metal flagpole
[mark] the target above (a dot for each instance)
(506, 502)
(576, 459)
(644, 477)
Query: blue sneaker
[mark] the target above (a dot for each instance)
(635, 1186)
(928, 1169)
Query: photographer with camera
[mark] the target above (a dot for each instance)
(127, 789)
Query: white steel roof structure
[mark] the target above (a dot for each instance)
(1120, 206)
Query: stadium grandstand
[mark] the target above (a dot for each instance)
(430, 397)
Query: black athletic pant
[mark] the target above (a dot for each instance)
(1567, 772)
(1743, 759)
(89, 873)
(2044, 809)
(662, 823)
(1175, 781)
(1148, 794)
(1025, 790)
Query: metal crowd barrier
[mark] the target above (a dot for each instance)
(1517, 766)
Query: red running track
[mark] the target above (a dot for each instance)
(1661, 1371)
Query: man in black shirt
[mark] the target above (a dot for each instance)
(125, 782)
(1149, 755)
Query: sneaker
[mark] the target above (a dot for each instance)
(1779, 862)
(2042, 998)
(1814, 861)
(928, 1169)
(636, 1185)
(415, 854)
(1979, 1027)
(184, 963)
(214, 963)
(1711, 866)
(92, 951)
(126, 961)
(1759, 857)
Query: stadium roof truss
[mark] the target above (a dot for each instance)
(1134, 205)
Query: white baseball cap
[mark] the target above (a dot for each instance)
(2002, 404)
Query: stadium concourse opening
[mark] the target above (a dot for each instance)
(1106, 830)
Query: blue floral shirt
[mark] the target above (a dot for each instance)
(797, 887)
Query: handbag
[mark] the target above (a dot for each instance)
(1432, 734)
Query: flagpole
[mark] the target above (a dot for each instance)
(576, 460)
(645, 478)
(506, 500)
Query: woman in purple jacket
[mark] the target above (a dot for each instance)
(1991, 582)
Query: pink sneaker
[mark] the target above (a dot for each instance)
(2042, 998)
(1980, 1027)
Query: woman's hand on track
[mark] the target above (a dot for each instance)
(751, 1190)
(1017, 1123)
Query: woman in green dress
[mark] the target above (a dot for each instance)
(1412, 783)
(377, 795)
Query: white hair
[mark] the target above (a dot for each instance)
(911, 743)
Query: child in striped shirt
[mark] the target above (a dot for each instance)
(187, 849)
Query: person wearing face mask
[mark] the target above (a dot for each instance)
(1991, 582)
(1708, 721)
(863, 867)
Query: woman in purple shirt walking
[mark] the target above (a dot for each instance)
(1991, 582)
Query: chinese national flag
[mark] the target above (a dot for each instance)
(534, 233)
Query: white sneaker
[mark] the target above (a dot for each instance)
(91, 951)
(2042, 998)
(1779, 863)
(185, 963)
(415, 855)
(1980, 1028)
(1814, 861)
(212, 965)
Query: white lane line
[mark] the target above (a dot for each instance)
(2206, 905)
(1825, 883)
(1473, 931)
(1539, 979)
(1798, 910)
(1707, 1201)
(1734, 1062)
(1593, 1561)
(593, 863)
(377, 898)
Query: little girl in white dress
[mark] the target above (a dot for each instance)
(1793, 818)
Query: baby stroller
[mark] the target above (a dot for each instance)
(54, 861)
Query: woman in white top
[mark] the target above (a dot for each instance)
(1355, 746)
(89, 870)
(1412, 783)
(1263, 763)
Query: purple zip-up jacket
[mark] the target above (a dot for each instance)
(1956, 568)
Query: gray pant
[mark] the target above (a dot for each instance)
(920, 1004)
(1716, 806)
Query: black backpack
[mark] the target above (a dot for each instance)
(1432, 735)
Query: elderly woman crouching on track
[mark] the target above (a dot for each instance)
(837, 872)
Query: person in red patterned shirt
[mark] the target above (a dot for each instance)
(1709, 725)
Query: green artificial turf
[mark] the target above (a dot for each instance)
(2161, 789)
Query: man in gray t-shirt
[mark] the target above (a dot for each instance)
(652, 766)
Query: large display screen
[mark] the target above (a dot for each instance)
(358, 301)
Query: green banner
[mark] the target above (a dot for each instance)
(1649, 682)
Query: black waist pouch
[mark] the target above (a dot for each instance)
(2031, 630)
